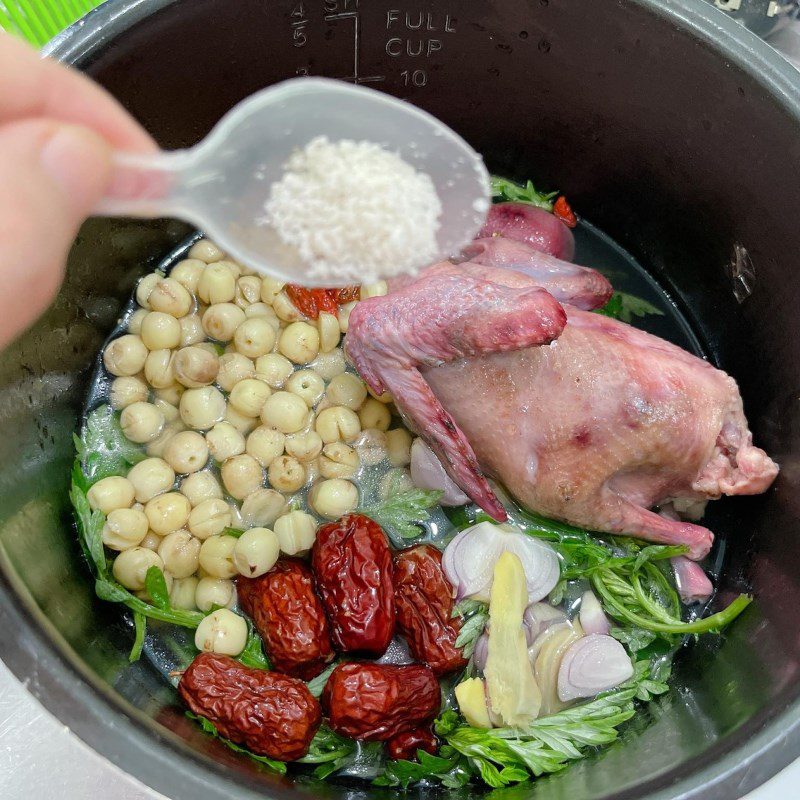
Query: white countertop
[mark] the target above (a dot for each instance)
(40, 757)
(35, 747)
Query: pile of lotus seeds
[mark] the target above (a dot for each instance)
(249, 418)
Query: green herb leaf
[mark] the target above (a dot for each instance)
(368, 756)
(140, 625)
(460, 516)
(506, 190)
(505, 756)
(511, 755)
(622, 608)
(650, 678)
(333, 753)
(634, 638)
(467, 607)
(427, 767)
(613, 308)
(660, 669)
(447, 722)
(206, 724)
(111, 592)
(317, 685)
(646, 690)
(90, 527)
(103, 448)
(471, 630)
(90, 524)
(235, 532)
(657, 552)
(628, 580)
(329, 748)
(253, 655)
(399, 514)
(631, 579)
(556, 597)
(475, 614)
(457, 778)
(156, 587)
(324, 771)
(78, 478)
(210, 728)
(175, 616)
(625, 307)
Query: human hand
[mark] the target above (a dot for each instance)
(57, 132)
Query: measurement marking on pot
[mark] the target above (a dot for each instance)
(410, 39)
(411, 34)
(331, 5)
(417, 77)
(298, 25)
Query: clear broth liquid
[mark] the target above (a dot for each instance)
(169, 648)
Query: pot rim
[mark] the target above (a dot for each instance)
(129, 739)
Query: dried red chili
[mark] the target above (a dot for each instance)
(424, 602)
(311, 301)
(352, 565)
(289, 616)
(563, 210)
(303, 299)
(348, 294)
(375, 702)
(325, 300)
(270, 714)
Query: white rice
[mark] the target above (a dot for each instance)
(355, 212)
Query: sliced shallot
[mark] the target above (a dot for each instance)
(469, 564)
(593, 664)
(691, 581)
(447, 562)
(539, 617)
(548, 661)
(481, 651)
(541, 640)
(593, 618)
(427, 472)
(470, 557)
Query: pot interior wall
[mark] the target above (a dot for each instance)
(655, 138)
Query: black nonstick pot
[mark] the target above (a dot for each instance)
(667, 125)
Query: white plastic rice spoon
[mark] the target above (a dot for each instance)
(221, 184)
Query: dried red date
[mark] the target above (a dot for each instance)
(424, 601)
(353, 567)
(270, 714)
(377, 701)
(289, 616)
(405, 745)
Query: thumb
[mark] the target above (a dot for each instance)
(51, 176)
